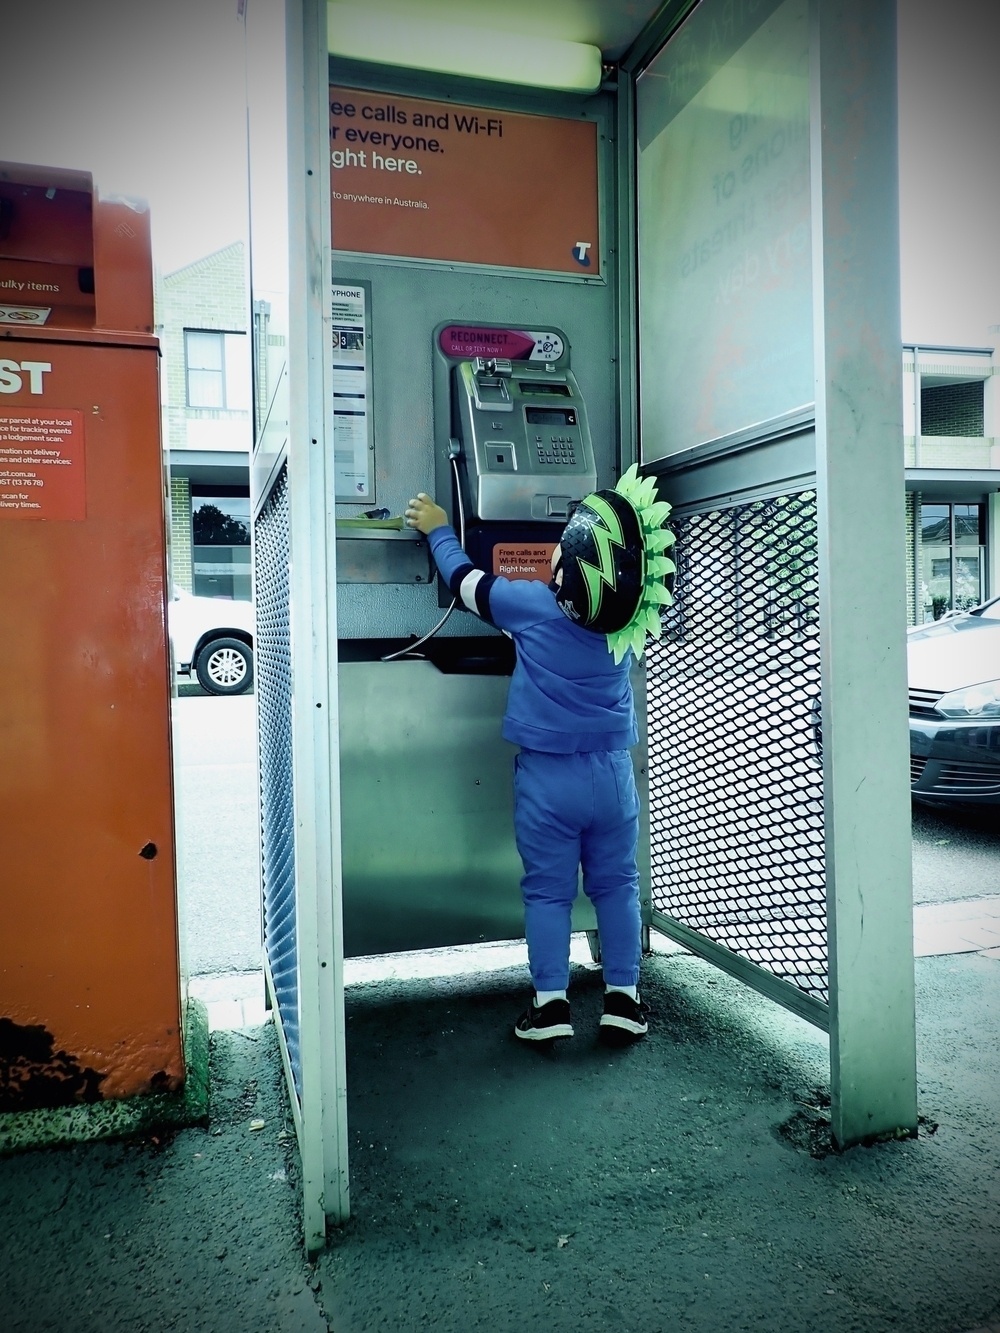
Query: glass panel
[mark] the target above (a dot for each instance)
(221, 520)
(205, 388)
(222, 571)
(967, 525)
(724, 225)
(968, 580)
(220, 527)
(204, 351)
(205, 379)
(935, 563)
(935, 523)
(952, 558)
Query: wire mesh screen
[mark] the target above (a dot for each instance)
(274, 704)
(735, 767)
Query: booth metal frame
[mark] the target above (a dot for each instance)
(846, 448)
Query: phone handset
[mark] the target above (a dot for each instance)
(455, 452)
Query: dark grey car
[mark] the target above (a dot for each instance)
(954, 678)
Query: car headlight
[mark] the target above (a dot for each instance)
(974, 701)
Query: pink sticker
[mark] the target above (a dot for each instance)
(468, 340)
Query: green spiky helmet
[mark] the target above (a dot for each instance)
(613, 564)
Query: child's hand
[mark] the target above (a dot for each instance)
(422, 513)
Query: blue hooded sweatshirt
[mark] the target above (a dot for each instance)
(567, 693)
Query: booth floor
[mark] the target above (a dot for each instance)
(683, 1184)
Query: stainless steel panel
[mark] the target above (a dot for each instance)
(428, 820)
(429, 855)
(382, 557)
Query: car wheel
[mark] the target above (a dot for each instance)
(225, 666)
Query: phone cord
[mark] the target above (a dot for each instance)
(408, 651)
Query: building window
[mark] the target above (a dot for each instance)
(952, 409)
(220, 531)
(217, 367)
(952, 564)
(204, 356)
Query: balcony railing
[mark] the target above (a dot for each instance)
(951, 451)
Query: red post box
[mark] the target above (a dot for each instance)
(89, 975)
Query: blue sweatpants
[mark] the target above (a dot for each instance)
(573, 810)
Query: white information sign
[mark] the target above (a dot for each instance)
(352, 426)
(24, 314)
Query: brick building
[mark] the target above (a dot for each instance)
(951, 430)
(202, 322)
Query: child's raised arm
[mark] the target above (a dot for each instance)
(423, 514)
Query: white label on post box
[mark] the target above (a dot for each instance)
(24, 314)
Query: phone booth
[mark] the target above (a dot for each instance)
(509, 269)
(90, 1002)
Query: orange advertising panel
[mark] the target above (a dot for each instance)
(42, 470)
(434, 180)
(524, 560)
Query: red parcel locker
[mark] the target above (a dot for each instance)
(90, 1003)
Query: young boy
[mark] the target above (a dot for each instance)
(570, 710)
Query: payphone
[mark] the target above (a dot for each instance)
(519, 453)
(513, 453)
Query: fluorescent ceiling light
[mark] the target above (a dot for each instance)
(367, 33)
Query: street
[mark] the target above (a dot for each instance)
(215, 793)
(956, 853)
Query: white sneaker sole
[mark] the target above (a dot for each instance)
(545, 1034)
(624, 1024)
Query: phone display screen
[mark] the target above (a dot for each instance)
(550, 416)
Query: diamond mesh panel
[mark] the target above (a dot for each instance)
(274, 705)
(736, 784)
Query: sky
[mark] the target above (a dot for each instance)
(149, 96)
(949, 118)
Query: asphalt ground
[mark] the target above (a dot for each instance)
(956, 853)
(687, 1183)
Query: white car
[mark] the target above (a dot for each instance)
(954, 668)
(213, 638)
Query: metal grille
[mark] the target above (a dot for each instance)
(923, 703)
(955, 779)
(274, 703)
(735, 767)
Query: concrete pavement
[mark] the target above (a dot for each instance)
(686, 1184)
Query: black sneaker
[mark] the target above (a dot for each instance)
(545, 1024)
(624, 1019)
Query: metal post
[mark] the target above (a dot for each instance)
(917, 422)
(993, 544)
(625, 259)
(860, 484)
(314, 630)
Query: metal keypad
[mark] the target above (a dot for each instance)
(557, 451)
